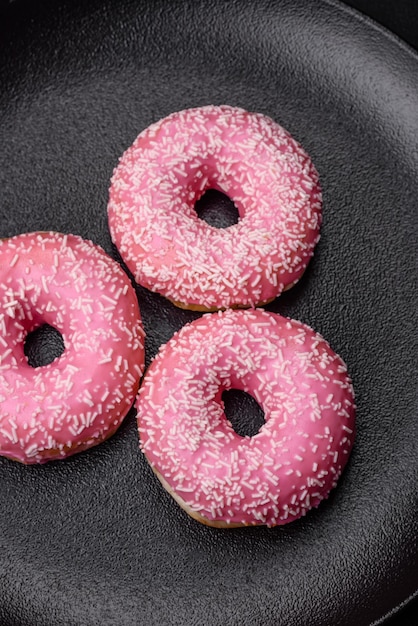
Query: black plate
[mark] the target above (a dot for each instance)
(95, 539)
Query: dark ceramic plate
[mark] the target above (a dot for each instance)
(95, 539)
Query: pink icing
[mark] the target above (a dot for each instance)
(247, 156)
(297, 456)
(80, 398)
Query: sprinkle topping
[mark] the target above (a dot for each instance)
(247, 156)
(80, 398)
(292, 463)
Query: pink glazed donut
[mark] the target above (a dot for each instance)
(296, 458)
(247, 156)
(80, 398)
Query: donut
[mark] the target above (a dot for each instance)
(80, 399)
(248, 157)
(276, 476)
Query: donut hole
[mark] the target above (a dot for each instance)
(43, 345)
(216, 209)
(243, 411)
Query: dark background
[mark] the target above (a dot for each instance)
(401, 17)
